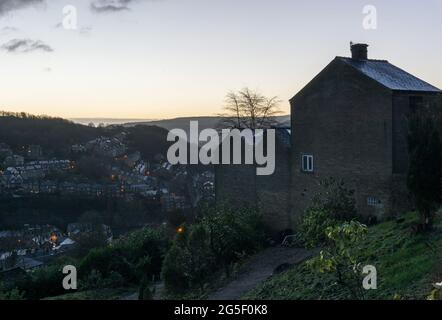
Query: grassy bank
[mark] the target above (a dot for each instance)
(407, 265)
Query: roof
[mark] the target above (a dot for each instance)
(284, 135)
(389, 75)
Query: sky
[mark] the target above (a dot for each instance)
(155, 59)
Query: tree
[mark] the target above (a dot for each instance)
(201, 258)
(425, 162)
(250, 109)
(339, 258)
(330, 207)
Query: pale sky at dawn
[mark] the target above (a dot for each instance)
(169, 58)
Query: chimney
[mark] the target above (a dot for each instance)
(359, 51)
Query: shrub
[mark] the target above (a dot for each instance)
(233, 233)
(220, 238)
(334, 205)
(105, 261)
(175, 271)
(313, 226)
(44, 282)
(339, 258)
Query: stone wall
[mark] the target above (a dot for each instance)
(344, 120)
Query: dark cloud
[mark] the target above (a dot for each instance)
(10, 5)
(25, 45)
(102, 6)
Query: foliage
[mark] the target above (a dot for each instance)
(407, 267)
(10, 294)
(148, 140)
(425, 165)
(313, 226)
(132, 258)
(44, 282)
(95, 280)
(176, 267)
(339, 258)
(221, 237)
(334, 205)
(54, 135)
(436, 294)
(233, 233)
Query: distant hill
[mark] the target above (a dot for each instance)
(56, 135)
(203, 122)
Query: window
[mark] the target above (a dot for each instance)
(307, 163)
(373, 202)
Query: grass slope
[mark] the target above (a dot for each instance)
(406, 264)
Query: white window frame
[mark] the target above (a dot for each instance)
(309, 163)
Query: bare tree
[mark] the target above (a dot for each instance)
(250, 109)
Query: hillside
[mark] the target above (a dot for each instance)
(57, 135)
(407, 266)
(203, 122)
(54, 135)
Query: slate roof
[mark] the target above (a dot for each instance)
(389, 75)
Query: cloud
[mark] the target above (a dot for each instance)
(103, 6)
(8, 30)
(107, 6)
(10, 5)
(25, 46)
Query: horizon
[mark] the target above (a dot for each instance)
(164, 59)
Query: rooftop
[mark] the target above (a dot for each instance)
(389, 75)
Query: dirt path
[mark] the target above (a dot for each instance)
(259, 268)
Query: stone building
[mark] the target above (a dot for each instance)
(350, 123)
(239, 185)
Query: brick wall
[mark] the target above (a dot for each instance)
(344, 120)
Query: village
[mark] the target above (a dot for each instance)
(27, 174)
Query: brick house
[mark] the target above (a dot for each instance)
(349, 122)
(238, 185)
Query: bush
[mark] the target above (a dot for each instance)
(105, 261)
(233, 233)
(220, 238)
(313, 226)
(334, 205)
(176, 271)
(44, 282)
(134, 257)
(339, 257)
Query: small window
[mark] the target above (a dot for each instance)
(373, 202)
(307, 163)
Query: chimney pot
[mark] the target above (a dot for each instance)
(359, 51)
